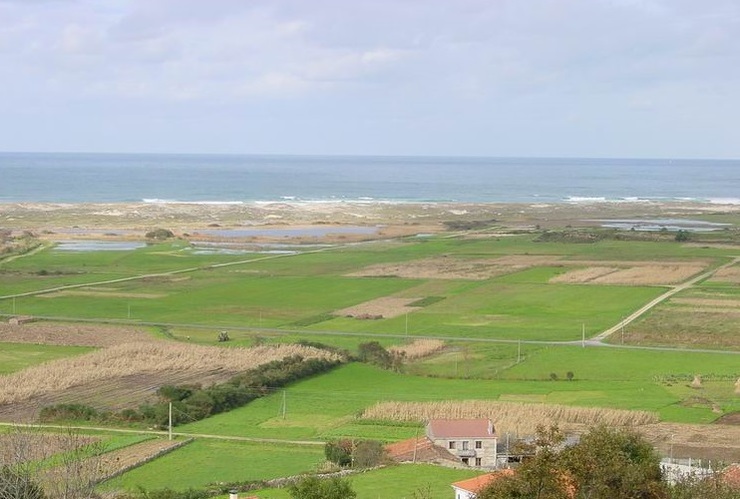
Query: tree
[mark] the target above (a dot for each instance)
(339, 452)
(605, 464)
(368, 453)
(18, 484)
(312, 487)
(159, 234)
(613, 464)
(373, 352)
(24, 473)
(682, 235)
(539, 477)
(693, 487)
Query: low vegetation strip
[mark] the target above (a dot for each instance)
(141, 358)
(507, 416)
(417, 349)
(190, 403)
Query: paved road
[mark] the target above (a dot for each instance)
(676, 289)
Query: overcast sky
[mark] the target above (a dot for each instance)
(574, 78)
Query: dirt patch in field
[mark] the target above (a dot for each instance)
(582, 276)
(727, 274)
(386, 307)
(646, 275)
(111, 395)
(89, 335)
(730, 419)
(527, 260)
(119, 461)
(441, 268)
(27, 445)
(728, 305)
(635, 273)
(717, 442)
(99, 293)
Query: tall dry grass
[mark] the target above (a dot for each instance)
(417, 349)
(513, 417)
(141, 358)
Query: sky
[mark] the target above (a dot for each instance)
(531, 78)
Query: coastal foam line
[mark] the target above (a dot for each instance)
(367, 200)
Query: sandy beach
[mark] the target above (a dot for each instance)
(133, 220)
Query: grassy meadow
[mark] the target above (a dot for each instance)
(18, 356)
(258, 298)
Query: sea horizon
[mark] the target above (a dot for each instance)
(253, 178)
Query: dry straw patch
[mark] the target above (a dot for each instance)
(140, 358)
(580, 276)
(650, 274)
(509, 416)
(441, 268)
(46, 333)
(723, 305)
(99, 292)
(385, 307)
(727, 274)
(418, 349)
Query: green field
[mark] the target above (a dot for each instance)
(401, 481)
(210, 461)
(18, 356)
(286, 298)
(299, 292)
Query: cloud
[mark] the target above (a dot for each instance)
(424, 71)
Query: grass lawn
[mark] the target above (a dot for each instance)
(18, 356)
(326, 406)
(396, 482)
(208, 461)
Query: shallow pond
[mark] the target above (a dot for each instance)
(92, 245)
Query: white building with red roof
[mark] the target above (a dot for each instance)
(472, 441)
(469, 489)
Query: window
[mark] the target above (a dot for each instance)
(477, 461)
(465, 445)
(478, 444)
(451, 444)
(465, 460)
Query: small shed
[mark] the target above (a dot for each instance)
(19, 320)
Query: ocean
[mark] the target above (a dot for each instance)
(160, 178)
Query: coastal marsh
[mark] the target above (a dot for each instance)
(281, 298)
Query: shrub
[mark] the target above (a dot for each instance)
(160, 234)
(339, 452)
(15, 484)
(312, 487)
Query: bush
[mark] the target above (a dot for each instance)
(339, 452)
(159, 234)
(15, 484)
(312, 487)
(69, 412)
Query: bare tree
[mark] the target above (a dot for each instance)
(37, 464)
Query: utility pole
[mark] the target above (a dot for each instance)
(169, 426)
(519, 352)
(284, 403)
(583, 335)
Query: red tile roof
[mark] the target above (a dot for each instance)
(421, 450)
(461, 428)
(476, 484)
(731, 475)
